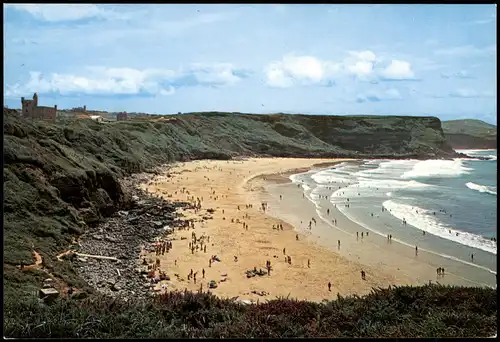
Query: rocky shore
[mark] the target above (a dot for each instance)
(123, 236)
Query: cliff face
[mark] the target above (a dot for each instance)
(466, 141)
(306, 135)
(58, 177)
(470, 134)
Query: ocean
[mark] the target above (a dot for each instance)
(449, 206)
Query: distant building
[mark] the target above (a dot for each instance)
(97, 118)
(32, 110)
(121, 116)
(79, 109)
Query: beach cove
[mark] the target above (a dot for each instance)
(238, 227)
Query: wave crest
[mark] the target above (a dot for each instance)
(481, 188)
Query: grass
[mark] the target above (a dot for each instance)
(426, 311)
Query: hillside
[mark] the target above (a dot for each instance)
(62, 178)
(59, 177)
(470, 134)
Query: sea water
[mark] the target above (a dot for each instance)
(449, 206)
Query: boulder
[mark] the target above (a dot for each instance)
(48, 294)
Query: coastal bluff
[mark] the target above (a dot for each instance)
(60, 177)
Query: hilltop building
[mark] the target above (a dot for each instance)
(32, 110)
(121, 116)
(80, 109)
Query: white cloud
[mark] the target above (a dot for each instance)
(387, 95)
(303, 70)
(61, 12)
(470, 93)
(361, 69)
(467, 50)
(459, 74)
(308, 70)
(128, 81)
(398, 70)
(366, 55)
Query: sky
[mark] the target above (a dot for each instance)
(437, 60)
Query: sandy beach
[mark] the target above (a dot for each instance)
(230, 187)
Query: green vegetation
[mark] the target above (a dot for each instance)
(426, 311)
(59, 178)
(470, 134)
(476, 128)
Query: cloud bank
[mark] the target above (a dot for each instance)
(293, 70)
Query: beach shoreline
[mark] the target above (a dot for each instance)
(252, 181)
(254, 246)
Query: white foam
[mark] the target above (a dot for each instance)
(475, 151)
(426, 221)
(479, 153)
(437, 168)
(481, 188)
(329, 176)
(390, 184)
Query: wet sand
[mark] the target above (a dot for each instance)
(372, 250)
(225, 185)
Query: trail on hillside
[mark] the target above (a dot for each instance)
(60, 255)
(38, 261)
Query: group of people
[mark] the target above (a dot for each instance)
(162, 247)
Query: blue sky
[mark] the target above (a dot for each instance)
(316, 59)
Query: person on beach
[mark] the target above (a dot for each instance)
(367, 233)
(416, 250)
(390, 237)
(338, 243)
(297, 237)
(328, 211)
(284, 251)
(357, 234)
(363, 275)
(472, 256)
(308, 263)
(205, 249)
(281, 197)
(329, 286)
(361, 234)
(209, 262)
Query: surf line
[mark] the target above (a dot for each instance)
(396, 240)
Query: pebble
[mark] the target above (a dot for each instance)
(122, 236)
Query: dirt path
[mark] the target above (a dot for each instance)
(37, 264)
(59, 284)
(59, 256)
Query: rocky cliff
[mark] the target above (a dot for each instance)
(61, 177)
